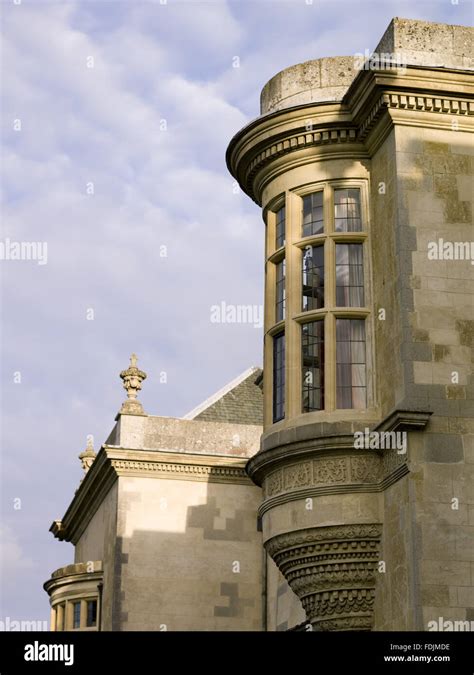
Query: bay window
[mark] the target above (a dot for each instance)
(317, 243)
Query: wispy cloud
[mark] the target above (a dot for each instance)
(125, 116)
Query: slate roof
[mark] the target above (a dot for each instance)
(239, 402)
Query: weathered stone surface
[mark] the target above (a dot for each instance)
(325, 79)
(443, 448)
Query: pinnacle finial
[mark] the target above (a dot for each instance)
(88, 455)
(132, 383)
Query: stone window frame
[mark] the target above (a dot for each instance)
(273, 256)
(67, 604)
(296, 244)
(74, 604)
(295, 316)
(281, 335)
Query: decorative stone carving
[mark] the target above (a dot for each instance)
(391, 460)
(342, 471)
(298, 140)
(330, 470)
(194, 472)
(332, 570)
(273, 484)
(132, 383)
(365, 469)
(298, 475)
(451, 106)
(88, 455)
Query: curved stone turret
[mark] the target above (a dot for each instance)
(353, 160)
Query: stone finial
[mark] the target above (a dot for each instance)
(132, 383)
(88, 455)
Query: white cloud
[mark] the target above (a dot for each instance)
(12, 556)
(102, 124)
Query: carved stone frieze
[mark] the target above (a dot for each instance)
(274, 483)
(298, 475)
(365, 469)
(302, 139)
(391, 460)
(450, 106)
(175, 470)
(328, 471)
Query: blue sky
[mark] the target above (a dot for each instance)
(148, 126)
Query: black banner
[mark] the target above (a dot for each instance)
(92, 653)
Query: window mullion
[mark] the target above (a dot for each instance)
(293, 304)
(83, 615)
(330, 299)
(330, 361)
(269, 309)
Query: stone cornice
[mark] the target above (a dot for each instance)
(354, 127)
(332, 142)
(87, 499)
(423, 80)
(296, 442)
(114, 462)
(74, 574)
(405, 420)
(328, 463)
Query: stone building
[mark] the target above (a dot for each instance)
(164, 522)
(361, 491)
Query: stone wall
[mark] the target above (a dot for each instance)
(386, 277)
(98, 543)
(189, 556)
(435, 198)
(180, 435)
(284, 609)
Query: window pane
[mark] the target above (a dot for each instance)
(343, 331)
(343, 352)
(347, 210)
(351, 385)
(91, 613)
(312, 360)
(313, 277)
(358, 375)
(358, 352)
(358, 397)
(349, 275)
(357, 329)
(356, 297)
(313, 222)
(344, 397)
(280, 227)
(356, 275)
(342, 274)
(280, 291)
(76, 615)
(278, 377)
